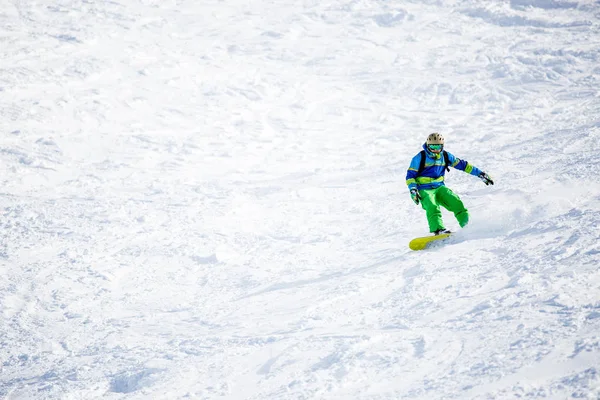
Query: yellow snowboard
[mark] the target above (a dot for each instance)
(422, 242)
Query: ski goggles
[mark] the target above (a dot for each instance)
(435, 147)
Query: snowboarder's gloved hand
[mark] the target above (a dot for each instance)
(486, 178)
(414, 194)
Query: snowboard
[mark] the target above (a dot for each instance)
(421, 243)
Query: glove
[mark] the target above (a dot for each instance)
(414, 194)
(486, 178)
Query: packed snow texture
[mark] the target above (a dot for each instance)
(207, 199)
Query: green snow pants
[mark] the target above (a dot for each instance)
(432, 199)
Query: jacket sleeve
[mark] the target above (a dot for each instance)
(463, 165)
(411, 174)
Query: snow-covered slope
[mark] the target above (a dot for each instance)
(206, 199)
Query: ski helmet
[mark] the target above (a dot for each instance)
(435, 138)
(435, 143)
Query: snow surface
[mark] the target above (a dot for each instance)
(206, 199)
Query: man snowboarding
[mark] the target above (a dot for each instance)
(425, 180)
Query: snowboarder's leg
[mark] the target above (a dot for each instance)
(432, 209)
(449, 200)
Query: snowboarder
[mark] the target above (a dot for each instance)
(425, 180)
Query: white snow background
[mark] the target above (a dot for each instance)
(207, 199)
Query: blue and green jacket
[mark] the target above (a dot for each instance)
(433, 173)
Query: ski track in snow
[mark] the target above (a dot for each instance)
(206, 200)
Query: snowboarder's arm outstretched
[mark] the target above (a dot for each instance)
(463, 165)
